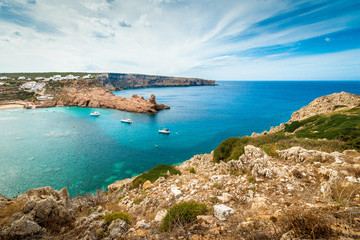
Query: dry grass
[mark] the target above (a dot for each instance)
(7, 212)
(308, 223)
(344, 193)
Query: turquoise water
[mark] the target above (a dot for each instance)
(61, 147)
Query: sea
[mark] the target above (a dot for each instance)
(66, 147)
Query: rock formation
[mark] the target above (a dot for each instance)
(326, 104)
(322, 105)
(125, 81)
(97, 97)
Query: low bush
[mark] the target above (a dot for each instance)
(308, 223)
(109, 217)
(154, 174)
(182, 214)
(192, 170)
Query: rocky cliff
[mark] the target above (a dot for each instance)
(326, 104)
(322, 105)
(123, 81)
(91, 94)
(274, 187)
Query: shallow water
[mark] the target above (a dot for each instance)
(61, 147)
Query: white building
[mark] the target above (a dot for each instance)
(21, 78)
(29, 79)
(87, 76)
(39, 78)
(1, 83)
(4, 78)
(44, 98)
(33, 86)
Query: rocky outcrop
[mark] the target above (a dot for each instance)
(45, 211)
(97, 97)
(322, 105)
(326, 104)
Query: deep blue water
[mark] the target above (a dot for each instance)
(61, 147)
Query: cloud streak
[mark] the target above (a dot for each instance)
(182, 37)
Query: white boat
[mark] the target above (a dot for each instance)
(95, 114)
(164, 131)
(126, 120)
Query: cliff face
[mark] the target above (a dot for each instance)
(124, 81)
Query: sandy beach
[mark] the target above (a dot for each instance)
(6, 106)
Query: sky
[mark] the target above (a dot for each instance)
(211, 39)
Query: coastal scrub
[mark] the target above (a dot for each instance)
(154, 174)
(182, 214)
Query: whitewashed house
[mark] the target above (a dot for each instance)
(4, 78)
(1, 83)
(87, 76)
(39, 78)
(21, 78)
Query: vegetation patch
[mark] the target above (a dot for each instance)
(337, 132)
(182, 214)
(109, 217)
(192, 170)
(154, 174)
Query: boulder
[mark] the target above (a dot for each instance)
(160, 215)
(146, 185)
(175, 191)
(22, 229)
(142, 224)
(117, 226)
(222, 212)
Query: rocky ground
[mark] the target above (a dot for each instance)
(297, 194)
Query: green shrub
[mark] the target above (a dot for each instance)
(137, 201)
(109, 217)
(192, 170)
(100, 233)
(218, 185)
(292, 126)
(182, 214)
(339, 106)
(90, 210)
(251, 179)
(154, 174)
(231, 148)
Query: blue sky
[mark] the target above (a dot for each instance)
(213, 39)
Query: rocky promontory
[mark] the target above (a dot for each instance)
(97, 97)
(326, 104)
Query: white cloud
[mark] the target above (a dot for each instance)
(168, 37)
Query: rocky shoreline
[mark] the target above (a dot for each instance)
(96, 97)
(294, 193)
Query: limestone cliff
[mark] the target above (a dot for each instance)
(124, 81)
(326, 104)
